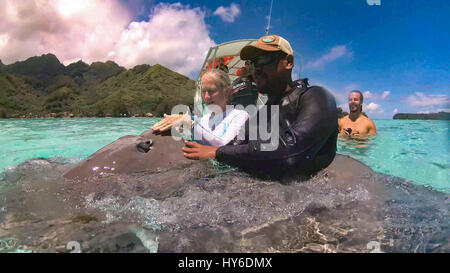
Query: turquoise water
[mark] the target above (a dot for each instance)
(415, 150)
(411, 149)
(73, 139)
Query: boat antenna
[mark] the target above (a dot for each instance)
(270, 15)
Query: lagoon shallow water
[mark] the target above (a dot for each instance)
(200, 209)
(415, 150)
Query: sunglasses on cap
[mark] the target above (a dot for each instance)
(266, 59)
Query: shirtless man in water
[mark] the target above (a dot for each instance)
(356, 124)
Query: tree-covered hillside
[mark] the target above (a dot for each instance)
(42, 87)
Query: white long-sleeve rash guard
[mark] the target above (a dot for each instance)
(219, 130)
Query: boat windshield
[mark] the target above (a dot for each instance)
(226, 54)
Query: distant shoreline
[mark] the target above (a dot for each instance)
(431, 116)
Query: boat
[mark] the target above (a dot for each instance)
(226, 54)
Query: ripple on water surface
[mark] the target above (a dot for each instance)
(415, 150)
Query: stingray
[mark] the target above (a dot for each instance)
(150, 152)
(346, 207)
(130, 154)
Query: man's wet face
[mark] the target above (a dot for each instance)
(265, 72)
(354, 102)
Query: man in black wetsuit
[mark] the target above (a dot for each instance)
(308, 118)
(244, 88)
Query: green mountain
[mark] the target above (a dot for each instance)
(42, 86)
(38, 70)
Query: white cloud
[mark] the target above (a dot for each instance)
(228, 14)
(343, 106)
(419, 99)
(4, 38)
(385, 95)
(84, 29)
(343, 93)
(373, 108)
(350, 87)
(368, 95)
(395, 111)
(70, 61)
(335, 53)
(376, 96)
(428, 110)
(175, 36)
(340, 94)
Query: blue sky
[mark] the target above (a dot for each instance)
(398, 46)
(396, 53)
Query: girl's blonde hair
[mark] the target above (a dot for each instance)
(222, 81)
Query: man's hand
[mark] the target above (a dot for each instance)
(193, 150)
(168, 122)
